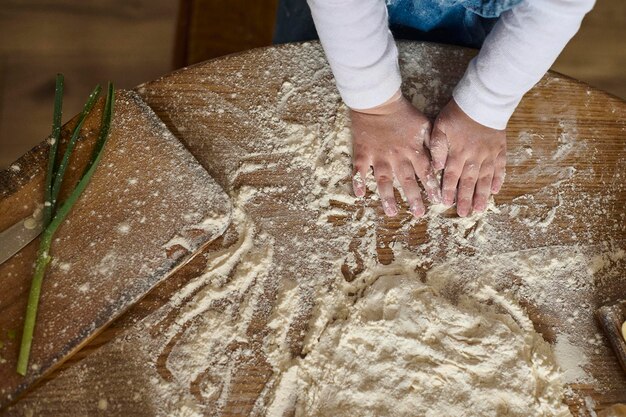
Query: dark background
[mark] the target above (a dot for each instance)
(132, 41)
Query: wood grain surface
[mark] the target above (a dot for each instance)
(140, 219)
(566, 167)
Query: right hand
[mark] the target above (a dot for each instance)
(390, 138)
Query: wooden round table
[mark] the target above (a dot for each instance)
(240, 117)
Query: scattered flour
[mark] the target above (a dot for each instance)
(123, 228)
(103, 404)
(401, 349)
(345, 332)
(571, 358)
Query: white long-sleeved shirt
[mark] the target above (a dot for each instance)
(522, 46)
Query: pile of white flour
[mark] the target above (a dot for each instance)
(403, 350)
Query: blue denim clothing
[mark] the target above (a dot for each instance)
(458, 22)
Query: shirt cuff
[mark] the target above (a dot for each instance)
(481, 104)
(375, 95)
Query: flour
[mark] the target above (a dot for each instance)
(403, 350)
(347, 353)
(571, 358)
(102, 404)
(233, 274)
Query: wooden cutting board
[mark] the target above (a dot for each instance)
(149, 207)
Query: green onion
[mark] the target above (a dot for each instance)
(43, 255)
(107, 114)
(56, 136)
(58, 180)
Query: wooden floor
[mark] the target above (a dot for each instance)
(131, 42)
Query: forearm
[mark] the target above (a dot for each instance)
(523, 45)
(360, 49)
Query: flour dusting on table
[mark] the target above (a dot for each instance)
(314, 303)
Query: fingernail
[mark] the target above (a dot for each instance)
(358, 185)
(416, 210)
(390, 208)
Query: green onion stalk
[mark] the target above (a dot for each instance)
(54, 217)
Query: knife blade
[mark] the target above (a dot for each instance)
(13, 239)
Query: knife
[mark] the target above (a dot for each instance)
(13, 239)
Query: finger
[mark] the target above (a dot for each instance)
(424, 171)
(499, 172)
(451, 175)
(438, 146)
(384, 182)
(406, 175)
(483, 186)
(424, 133)
(359, 175)
(467, 186)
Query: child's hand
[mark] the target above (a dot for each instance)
(390, 138)
(472, 156)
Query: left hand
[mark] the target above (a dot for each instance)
(472, 156)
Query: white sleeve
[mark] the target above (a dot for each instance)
(522, 46)
(360, 49)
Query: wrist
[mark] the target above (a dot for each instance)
(461, 114)
(387, 107)
(481, 105)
